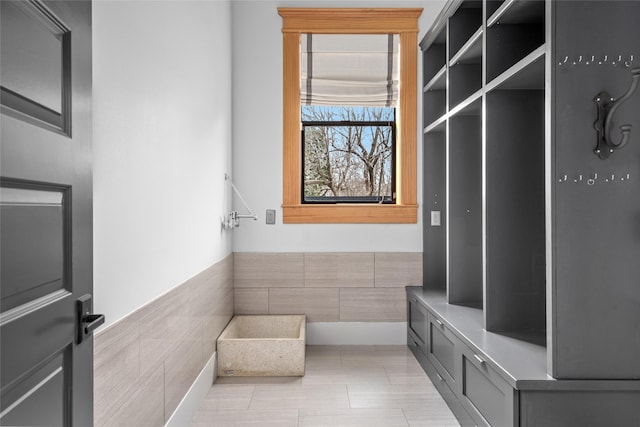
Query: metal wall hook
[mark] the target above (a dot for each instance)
(607, 106)
(613, 60)
(591, 179)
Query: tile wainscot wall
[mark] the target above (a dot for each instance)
(327, 287)
(145, 363)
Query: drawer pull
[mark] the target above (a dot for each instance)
(414, 300)
(479, 359)
(439, 323)
(439, 378)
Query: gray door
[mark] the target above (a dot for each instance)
(45, 213)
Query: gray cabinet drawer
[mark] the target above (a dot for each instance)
(413, 343)
(446, 390)
(485, 395)
(441, 349)
(417, 321)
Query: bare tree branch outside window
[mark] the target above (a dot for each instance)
(348, 153)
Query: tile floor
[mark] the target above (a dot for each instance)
(343, 386)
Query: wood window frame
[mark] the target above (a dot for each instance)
(402, 21)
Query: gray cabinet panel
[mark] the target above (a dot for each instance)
(442, 348)
(413, 343)
(507, 382)
(445, 389)
(465, 210)
(485, 394)
(417, 321)
(434, 200)
(542, 235)
(515, 242)
(611, 408)
(597, 227)
(451, 398)
(540, 231)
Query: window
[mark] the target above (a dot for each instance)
(348, 93)
(375, 182)
(347, 154)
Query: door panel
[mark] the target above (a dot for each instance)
(38, 399)
(34, 243)
(46, 376)
(35, 64)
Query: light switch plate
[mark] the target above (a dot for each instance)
(436, 219)
(271, 216)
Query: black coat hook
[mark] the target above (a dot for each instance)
(607, 106)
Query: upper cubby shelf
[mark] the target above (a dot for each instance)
(528, 73)
(435, 57)
(438, 125)
(471, 106)
(438, 82)
(435, 105)
(515, 12)
(435, 76)
(465, 71)
(463, 25)
(470, 52)
(507, 44)
(464, 80)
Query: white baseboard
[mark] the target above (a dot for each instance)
(191, 402)
(356, 333)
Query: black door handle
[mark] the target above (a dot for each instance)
(91, 322)
(87, 322)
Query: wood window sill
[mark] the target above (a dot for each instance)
(350, 214)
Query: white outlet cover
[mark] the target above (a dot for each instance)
(436, 219)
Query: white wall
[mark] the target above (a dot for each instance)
(162, 144)
(257, 143)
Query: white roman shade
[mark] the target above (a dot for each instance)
(349, 69)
